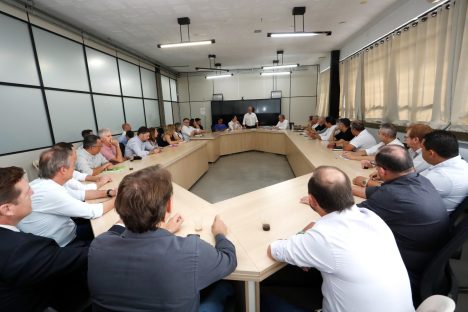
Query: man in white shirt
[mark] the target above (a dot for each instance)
(414, 136)
(352, 247)
(283, 123)
(126, 127)
(139, 145)
(387, 135)
(90, 159)
(52, 205)
(250, 119)
(362, 138)
(234, 124)
(449, 172)
(187, 130)
(330, 127)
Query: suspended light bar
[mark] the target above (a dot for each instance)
(276, 73)
(279, 66)
(298, 34)
(186, 44)
(219, 76)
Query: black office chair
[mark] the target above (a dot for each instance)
(122, 148)
(459, 213)
(438, 277)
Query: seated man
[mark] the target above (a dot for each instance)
(234, 124)
(411, 207)
(35, 273)
(53, 205)
(362, 138)
(415, 134)
(352, 247)
(449, 172)
(123, 138)
(90, 159)
(343, 136)
(283, 123)
(157, 271)
(86, 132)
(330, 126)
(110, 148)
(220, 126)
(387, 135)
(187, 130)
(139, 145)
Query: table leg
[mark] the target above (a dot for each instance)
(252, 296)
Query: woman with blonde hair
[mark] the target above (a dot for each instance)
(170, 135)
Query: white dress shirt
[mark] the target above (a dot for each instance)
(52, 207)
(78, 189)
(363, 140)
(137, 147)
(418, 161)
(187, 132)
(79, 176)
(375, 149)
(250, 119)
(85, 162)
(450, 178)
(282, 125)
(326, 135)
(234, 125)
(359, 260)
(9, 227)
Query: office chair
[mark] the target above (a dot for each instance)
(459, 213)
(437, 303)
(438, 277)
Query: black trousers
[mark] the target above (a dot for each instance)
(251, 127)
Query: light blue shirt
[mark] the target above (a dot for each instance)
(137, 147)
(85, 162)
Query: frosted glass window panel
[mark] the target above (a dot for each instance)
(148, 80)
(24, 108)
(109, 112)
(130, 79)
(175, 112)
(173, 90)
(61, 60)
(70, 113)
(103, 72)
(168, 113)
(152, 113)
(134, 113)
(17, 64)
(166, 88)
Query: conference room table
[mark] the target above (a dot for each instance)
(277, 205)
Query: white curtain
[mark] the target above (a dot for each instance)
(324, 87)
(351, 99)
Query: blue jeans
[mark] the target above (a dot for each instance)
(216, 299)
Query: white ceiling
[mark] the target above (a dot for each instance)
(141, 24)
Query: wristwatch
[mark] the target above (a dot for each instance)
(108, 193)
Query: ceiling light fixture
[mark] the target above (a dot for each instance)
(219, 76)
(276, 63)
(298, 11)
(284, 73)
(217, 66)
(185, 21)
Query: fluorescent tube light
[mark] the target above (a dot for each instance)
(186, 44)
(279, 66)
(299, 34)
(276, 73)
(219, 76)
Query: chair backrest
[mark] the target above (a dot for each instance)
(437, 303)
(122, 148)
(35, 164)
(459, 213)
(438, 277)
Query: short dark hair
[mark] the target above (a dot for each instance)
(142, 198)
(345, 121)
(394, 158)
(64, 145)
(9, 176)
(52, 160)
(388, 130)
(90, 141)
(330, 119)
(129, 134)
(443, 142)
(86, 132)
(142, 130)
(332, 194)
(358, 125)
(185, 119)
(197, 119)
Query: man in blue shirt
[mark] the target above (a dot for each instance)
(220, 126)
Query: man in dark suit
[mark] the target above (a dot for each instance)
(35, 273)
(151, 269)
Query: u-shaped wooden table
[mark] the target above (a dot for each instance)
(244, 214)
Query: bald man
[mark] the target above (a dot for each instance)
(353, 249)
(411, 207)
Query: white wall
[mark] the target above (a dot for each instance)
(299, 92)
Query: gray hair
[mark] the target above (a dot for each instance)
(388, 130)
(52, 160)
(104, 131)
